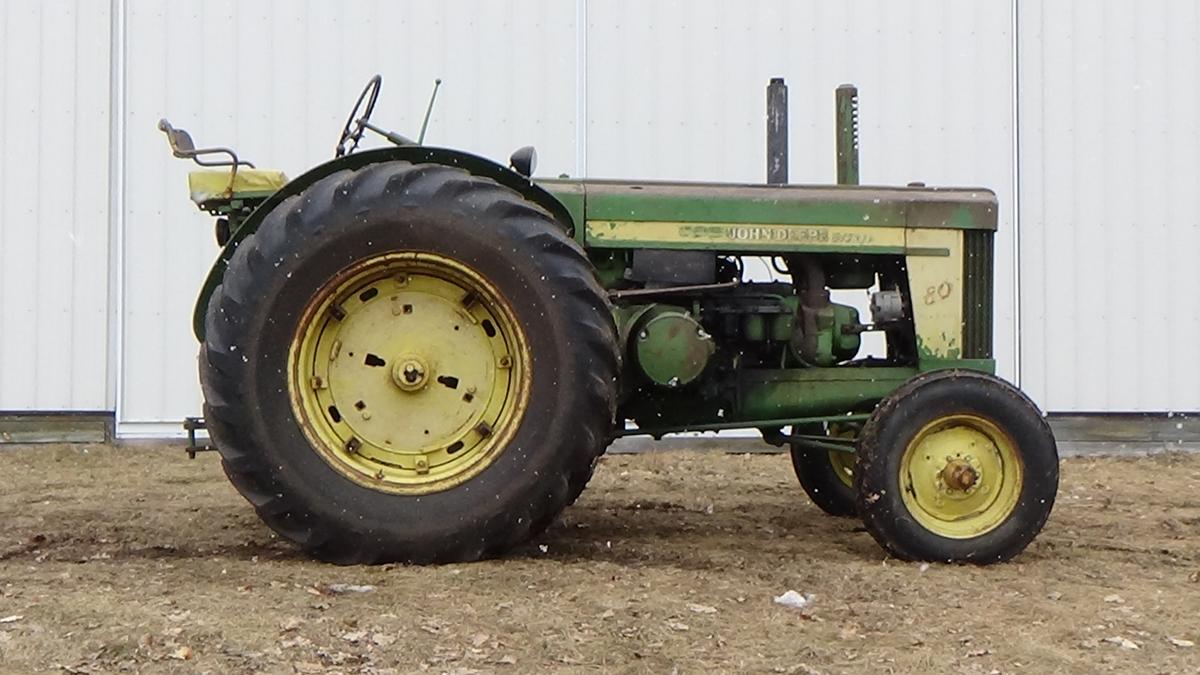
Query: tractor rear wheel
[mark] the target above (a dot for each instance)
(407, 362)
(956, 466)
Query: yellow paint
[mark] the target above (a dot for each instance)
(936, 284)
(961, 441)
(843, 462)
(409, 373)
(214, 184)
(843, 466)
(746, 236)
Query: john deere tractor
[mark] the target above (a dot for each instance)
(413, 353)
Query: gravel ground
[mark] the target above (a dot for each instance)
(134, 559)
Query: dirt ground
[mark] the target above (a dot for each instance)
(134, 559)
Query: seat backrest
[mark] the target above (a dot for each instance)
(181, 141)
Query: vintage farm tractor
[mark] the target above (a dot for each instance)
(413, 353)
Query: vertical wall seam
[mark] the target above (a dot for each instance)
(581, 120)
(5, 22)
(36, 161)
(1018, 373)
(116, 206)
(73, 397)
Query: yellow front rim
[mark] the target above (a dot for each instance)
(961, 476)
(409, 373)
(843, 466)
(843, 462)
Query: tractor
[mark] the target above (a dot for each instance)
(412, 353)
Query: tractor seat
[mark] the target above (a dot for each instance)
(212, 185)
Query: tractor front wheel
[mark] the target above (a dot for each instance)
(408, 362)
(826, 476)
(956, 466)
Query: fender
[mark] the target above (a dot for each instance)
(417, 154)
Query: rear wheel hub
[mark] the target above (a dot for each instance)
(410, 373)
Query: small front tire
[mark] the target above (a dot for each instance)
(956, 466)
(827, 477)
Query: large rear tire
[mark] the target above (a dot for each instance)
(407, 362)
(956, 466)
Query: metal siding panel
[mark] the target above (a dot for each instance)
(676, 90)
(275, 81)
(53, 205)
(1180, 177)
(18, 210)
(1109, 163)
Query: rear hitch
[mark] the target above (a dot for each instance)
(192, 425)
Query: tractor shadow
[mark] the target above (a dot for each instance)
(663, 534)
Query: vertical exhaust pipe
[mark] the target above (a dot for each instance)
(846, 102)
(777, 132)
(804, 269)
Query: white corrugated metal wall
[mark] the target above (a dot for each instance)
(54, 208)
(1110, 204)
(659, 89)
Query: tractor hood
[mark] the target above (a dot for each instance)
(745, 217)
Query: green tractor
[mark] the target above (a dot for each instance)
(415, 354)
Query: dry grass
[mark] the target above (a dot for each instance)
(135, 559)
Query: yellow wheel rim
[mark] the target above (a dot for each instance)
(843, 462)
(961, 476)
(843, 466)
(409, 373)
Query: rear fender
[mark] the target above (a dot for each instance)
(417, 154)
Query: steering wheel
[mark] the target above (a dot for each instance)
(356, 124)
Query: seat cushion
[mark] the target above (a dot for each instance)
(210, 185)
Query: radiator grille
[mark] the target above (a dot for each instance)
(977, 294)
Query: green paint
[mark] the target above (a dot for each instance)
(796, 392)
(964, 209)
(920, 252)
(683, 244)
(610, 265)
(928, 364)
(770, 205)
(951, 353)
(780, 204)
(977, 294)
(846, 105)
(754, 327)
(670, 347)
(572, 196)
(822, 445)
(781, 325)
(750, 424)
(833, 344)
